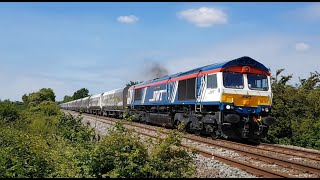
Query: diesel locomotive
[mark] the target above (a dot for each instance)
(231, 99)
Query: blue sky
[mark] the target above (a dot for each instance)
(102, 46)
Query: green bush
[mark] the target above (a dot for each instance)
(69, 160)
(23, 155)
(49, 108)
(35, 98)
(297, 109)
(8, 111)
(120, 154)
(72, 129)
(38, 123)
(42, 142)
(169, 160)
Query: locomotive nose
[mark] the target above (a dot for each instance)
(269, 120)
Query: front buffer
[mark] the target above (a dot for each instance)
(251, 123)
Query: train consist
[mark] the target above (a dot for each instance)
(231, 99)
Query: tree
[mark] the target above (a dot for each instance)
(311, 82)
(8, 111)
(297, 109)
(25, 99)
(48, 93)
(35, 98)
(67, 98)
(131, 83)
(81, 93)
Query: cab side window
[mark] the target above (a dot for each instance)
(212, 81)
(138, 94)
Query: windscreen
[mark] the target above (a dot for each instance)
(258, 82)
(233, 80)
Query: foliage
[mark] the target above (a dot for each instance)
(131, 83)
(169, 160)
(127, 117)
(8, 111)
(72, 129)
(81, 93)
(67, 98)
(297, 109)
(122, 154)
(49, 108)
(42, 142)
(119, 155)
(35, 98)
(48, 93)
(69, 160)
(22, 155)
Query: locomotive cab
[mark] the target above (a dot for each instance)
(245, 102)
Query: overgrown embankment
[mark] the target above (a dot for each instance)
(37, 140)
(297, 108)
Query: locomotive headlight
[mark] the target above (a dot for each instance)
(228, 106)
(262, 109)
(267, 109)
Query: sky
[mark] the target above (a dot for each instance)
(102, 46)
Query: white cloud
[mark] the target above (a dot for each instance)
(302, 46)
(204, 16)
(128, 19)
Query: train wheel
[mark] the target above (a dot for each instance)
(197, 132)
(187, 128)
(214, 135)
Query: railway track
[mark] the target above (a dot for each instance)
(268, 154)
(312, 155)
(258, 171)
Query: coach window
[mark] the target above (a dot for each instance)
(212, 81)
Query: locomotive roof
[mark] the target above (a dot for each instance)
(244, 61)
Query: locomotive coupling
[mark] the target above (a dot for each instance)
(269, 120)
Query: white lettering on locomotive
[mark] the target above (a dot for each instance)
(157, 95)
